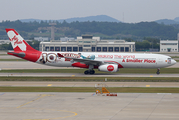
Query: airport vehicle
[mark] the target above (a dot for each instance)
(103, 61)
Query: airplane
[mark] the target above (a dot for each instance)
(103, 61)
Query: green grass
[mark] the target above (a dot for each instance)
(12, 60)
(174, 56)
(166, 52)
(90, 89)
(3, 54)
(93, 79)
(123, 70)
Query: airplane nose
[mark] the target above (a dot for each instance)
(173, 62)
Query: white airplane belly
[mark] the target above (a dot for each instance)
(62, 64)
(139, 65)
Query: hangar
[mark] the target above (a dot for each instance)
(168, 45)
(88, 43)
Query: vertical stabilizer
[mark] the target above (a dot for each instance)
(17, 42)
(21, 48)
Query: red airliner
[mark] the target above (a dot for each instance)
(103, 61)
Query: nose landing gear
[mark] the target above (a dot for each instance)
(158, 71)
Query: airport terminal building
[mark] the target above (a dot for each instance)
(88, 43)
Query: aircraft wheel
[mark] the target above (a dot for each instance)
(86, 72)
(158, 71)
(92, 71)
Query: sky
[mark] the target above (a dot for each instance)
(129, 11)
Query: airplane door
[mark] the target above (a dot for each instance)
(160, 60)
(44, 57)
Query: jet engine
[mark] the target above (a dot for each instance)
(108, 68)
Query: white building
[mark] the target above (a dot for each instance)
(41, 38)
(168, 45)
(4, 42)
(88, 43)
(65, 39)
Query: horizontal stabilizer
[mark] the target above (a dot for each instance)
(21, 54)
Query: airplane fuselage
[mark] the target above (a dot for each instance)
(124, 60)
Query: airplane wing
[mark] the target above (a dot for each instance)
(85, 61)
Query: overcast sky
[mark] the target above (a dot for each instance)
(130, 11)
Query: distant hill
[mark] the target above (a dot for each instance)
(168, 21)
(98, 18)
(177, 19)
(30, 20)
(106, 30)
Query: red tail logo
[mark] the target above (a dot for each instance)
(16, 40)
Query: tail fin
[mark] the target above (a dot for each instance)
(17, 42)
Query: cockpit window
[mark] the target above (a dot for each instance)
(169, 60)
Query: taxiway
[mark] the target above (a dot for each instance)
(88, 106)
(85, 84)
(83, 75)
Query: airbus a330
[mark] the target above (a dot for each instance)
(103, 61)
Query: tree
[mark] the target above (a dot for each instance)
(144, 45)
(34, 44)
(6, 47)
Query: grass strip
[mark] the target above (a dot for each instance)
(93, 79)
(3, 54)
(12, 60)
(89, 89)
(123, 70)
(174, 57)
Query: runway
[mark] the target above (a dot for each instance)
(85, 84)
(83, 75)
(12, 65)
(88, 106)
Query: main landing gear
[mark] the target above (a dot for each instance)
(90, 71)
(158, 71)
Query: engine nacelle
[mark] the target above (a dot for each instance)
(108, 68)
